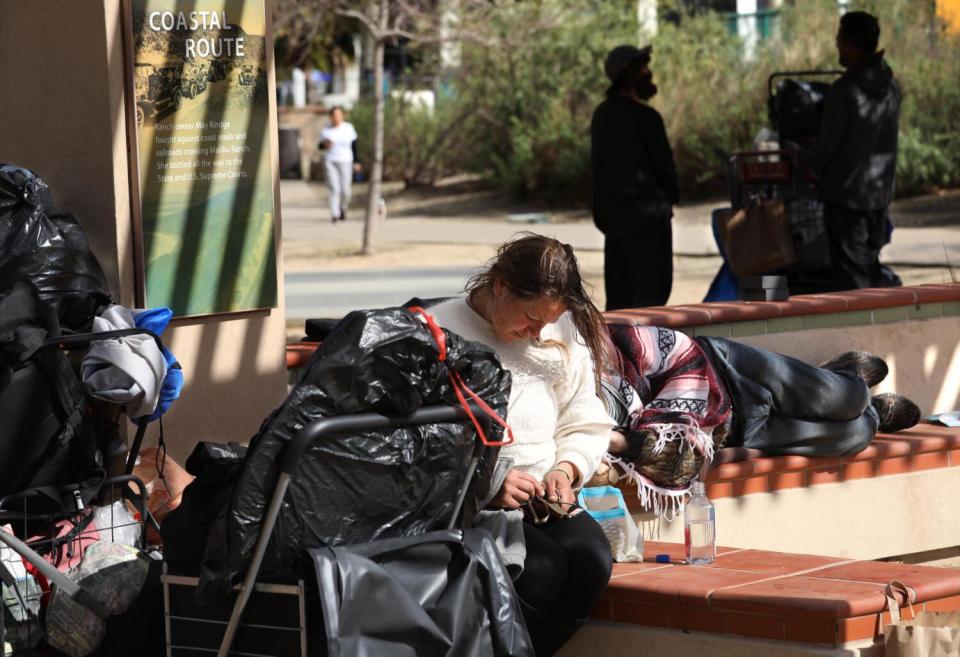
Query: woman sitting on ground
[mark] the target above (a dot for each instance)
(529, 305)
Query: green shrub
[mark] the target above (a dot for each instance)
(420, 145)
(527, 88)
(538, 91)
(535, 83)
(926, 61)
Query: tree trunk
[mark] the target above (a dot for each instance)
(372, 220)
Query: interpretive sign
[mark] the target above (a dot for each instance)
(206, 187)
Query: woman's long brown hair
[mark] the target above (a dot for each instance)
(533, 266)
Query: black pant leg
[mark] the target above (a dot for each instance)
(616, 274)
(544, 569)
(855, 238)
(567, 568)
(782, 405)
(656, 253)
(589, 564)
(818, 437)
(638, 268)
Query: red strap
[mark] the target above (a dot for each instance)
(459, 387)
(457, 384)
(435, 330)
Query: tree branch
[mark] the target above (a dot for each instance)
(360, 16)
(395, 33)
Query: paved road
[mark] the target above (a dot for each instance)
(333, 294)
(303, 213)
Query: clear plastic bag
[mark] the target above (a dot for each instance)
(115, 524)
(607, 506)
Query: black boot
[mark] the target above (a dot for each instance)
(872, 369)
(896, 412)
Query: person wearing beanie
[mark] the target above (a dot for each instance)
(855, 156)
(634, 184)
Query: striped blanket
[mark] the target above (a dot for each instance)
(682, 402)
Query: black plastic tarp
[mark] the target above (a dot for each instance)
(369, 485)
(442, 594)
(46, 246)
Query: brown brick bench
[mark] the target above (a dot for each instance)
(892, 496)
(893, 500)
(749, 596)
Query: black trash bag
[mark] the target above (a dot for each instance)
(364, 486)
(317, 330)
(442, 594)
(216, 467)
(47, 247)
(796, 108)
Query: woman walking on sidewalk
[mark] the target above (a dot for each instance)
(339, 140)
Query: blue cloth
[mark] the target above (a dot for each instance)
(156, 320)
(725, 286)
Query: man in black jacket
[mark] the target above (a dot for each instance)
(855, 155)
(634, 184)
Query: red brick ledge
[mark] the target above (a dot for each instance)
(813, 599)
(299, 354)
(702, 314)
(738, 471)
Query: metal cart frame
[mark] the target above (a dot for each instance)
(293, 453)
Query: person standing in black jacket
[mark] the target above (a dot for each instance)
(634, 184)
(855, 156)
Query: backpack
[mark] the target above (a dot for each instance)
(48, 451)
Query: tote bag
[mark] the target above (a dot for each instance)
(927, 634)
(757, 239)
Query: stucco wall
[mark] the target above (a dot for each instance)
(62, 114)
(863, 519)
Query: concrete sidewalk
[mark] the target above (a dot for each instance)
(305, 220)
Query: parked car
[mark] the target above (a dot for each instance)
(194, 78)
(158, 88)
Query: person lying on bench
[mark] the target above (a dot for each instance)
(529, 305)
(668, 392)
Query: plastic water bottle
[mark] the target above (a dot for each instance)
(699, 527)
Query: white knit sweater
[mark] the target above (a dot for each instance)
(554, 410)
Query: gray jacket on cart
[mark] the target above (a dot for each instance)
(856, 151)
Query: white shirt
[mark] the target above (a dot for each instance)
(554, 409)
(341, 139)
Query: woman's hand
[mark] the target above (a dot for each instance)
(559, 482)
(517, 488)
